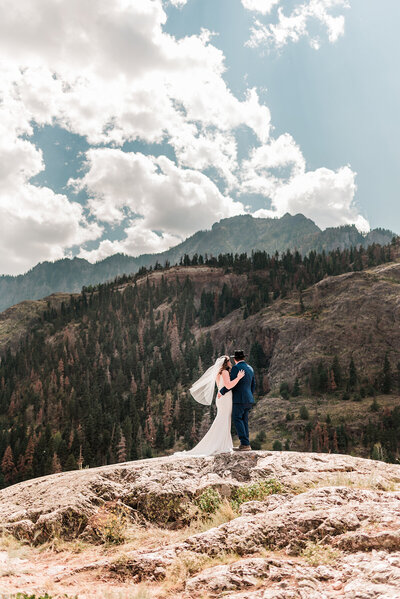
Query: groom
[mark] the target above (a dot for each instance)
(243, 399)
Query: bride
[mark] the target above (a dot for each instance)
(218, 439)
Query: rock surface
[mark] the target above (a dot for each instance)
(158, 488)
(318, 539)
(344, 315)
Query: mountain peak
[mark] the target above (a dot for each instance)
(237, 235)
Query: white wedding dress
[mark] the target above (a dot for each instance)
(218, 439)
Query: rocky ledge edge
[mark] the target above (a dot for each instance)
(332, 530)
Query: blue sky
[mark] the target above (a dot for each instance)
(340, 103)
(127, 126)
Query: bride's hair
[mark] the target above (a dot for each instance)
(226, 365)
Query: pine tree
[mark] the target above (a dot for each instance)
(337, 371)
(80, 460)
(335, 446)
(377, 452)
(301, 303)
(387, 376)
(121, 449)
(8, 466)
(352, 375)
(325, 438)
(174, 339)
(331, 381)
(318, 441)
(167, 412)
(304, 415)
(71, 463)
(296, 388)
(28, 457)
(193, 431)
(398, 377)
(55, 464)
(150, 430)
(322, 377)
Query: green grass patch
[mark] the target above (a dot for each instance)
(209, 501)
(317, 555)
(255, 492)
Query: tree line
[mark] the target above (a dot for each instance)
(104, 378)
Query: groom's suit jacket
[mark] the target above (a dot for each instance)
(242, 393)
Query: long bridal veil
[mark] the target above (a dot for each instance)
(203, 389)
(218, 438)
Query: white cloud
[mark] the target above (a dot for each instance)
(173, 201)
(270, 165)
(36, 224)
(137, 240)
(277, 170)
(209, 149)
(118, 76)
(262, 6)
(295, 25)
(325, 196)
(109, 72)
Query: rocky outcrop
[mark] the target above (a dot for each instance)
(16, 322)
(159, 490)
(313, 540)
(359, 576)
(343, 315)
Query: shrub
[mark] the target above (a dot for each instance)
(316, 554)
(378, 452)
(374, 407)
(161, 509)
(284, 390)
(277, 446)
(304, 415)
(255, 492)
(296, 388)
(209, 501)
(185, 565)
(108, 525)
(262, 436)
(259, 440)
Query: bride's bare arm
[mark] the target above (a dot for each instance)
(228, 384)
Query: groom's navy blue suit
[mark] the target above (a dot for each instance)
(242, 400)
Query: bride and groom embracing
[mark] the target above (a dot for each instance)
(234, 401)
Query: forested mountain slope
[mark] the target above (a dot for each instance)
(103, 377)
(232, 235)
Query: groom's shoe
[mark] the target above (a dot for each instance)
(244, 448)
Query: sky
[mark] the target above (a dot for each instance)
(128, 125)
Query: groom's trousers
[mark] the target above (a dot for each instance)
(240, 417)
